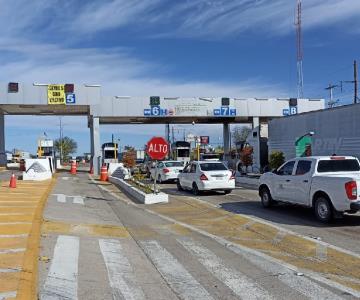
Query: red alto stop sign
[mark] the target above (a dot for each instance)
(157, 148)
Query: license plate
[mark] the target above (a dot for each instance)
(219, 178)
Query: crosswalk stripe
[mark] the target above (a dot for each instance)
(6, 295)
(301, 284)
(120, 272)
(13, 235)
(241, 285)
(179, 279)
(78, 200)
(60, 198)
(61, 282)
(16, 250)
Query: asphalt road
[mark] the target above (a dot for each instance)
(343, 232)
(97, 243)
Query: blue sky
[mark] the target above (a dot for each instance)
(243, 48)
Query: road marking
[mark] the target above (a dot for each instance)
(6, 295)
(14, 223)
(120, 272)
(60, 198)
(16, 250)
(321, 252)
(261, 257)
(61, 282)
(15, 214)
(179, 279)
(8, 270)
(279, 237)
(14, 235)
(78, 200)
(240, 284)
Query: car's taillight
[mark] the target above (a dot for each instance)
(203, 177)
(166, 171)
(351, 190)
(232, 174)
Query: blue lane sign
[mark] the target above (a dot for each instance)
(155, 111)
(286, 112)
(290, 111)
(224, 111)
(70, 98)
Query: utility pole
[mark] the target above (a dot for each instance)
(299, 51)
(330, 88)
(355, 82)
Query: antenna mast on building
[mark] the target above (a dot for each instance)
(299, 50)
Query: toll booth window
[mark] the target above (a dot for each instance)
(183, 153)
(109, 154)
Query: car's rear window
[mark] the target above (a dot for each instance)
(212, 167)
(174, 164)
(344, 165)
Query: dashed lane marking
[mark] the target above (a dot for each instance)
(61, 282)
(14, 235)
(178, 278)
(240, 284)
(120, 272)
(78, 200)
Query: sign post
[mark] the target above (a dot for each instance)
(157, 148)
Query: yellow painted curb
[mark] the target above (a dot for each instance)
(29, 275)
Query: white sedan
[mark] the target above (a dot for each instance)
(206, 176)
(166, 170)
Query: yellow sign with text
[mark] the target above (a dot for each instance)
(56, 94)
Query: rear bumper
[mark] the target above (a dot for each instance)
(355, 206)
(217, 186)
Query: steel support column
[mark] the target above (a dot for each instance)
(95, 144)
(226, 138)
(2, 140)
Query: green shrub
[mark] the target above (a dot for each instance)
(276, 159)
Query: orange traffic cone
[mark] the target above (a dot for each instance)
(12, 181)
(103, 173)
(73, 168)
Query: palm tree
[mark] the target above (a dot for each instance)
(65, 146)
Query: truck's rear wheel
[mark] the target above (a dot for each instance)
(266, 199)
(323, 209)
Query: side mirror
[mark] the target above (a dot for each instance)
(274, 171)
(180, 171)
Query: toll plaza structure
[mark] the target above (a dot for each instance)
(89, 100)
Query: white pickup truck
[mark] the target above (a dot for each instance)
(328, 184)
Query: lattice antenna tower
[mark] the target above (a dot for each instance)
(299, 51)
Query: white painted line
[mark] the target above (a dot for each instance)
(18, 206)
(240, 284)
(321, 252)
(65, 178)
(15, 214)
(6, 295)
(179, 279)
(262, 258)
(15, 250)
(23, 235)
(78, 200)
(14, 223)
(61, 282)
(8, 270)
(120, 272)
(60, 198)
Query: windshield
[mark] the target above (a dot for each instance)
(174, 164)
(213, 167)
(344, 165)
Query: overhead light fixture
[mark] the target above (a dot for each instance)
(13, 87)
(69, 88)
(92, 85)
(41, 84)
(122, 97)
(171, 98)
(136, 122)
(205, 99)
